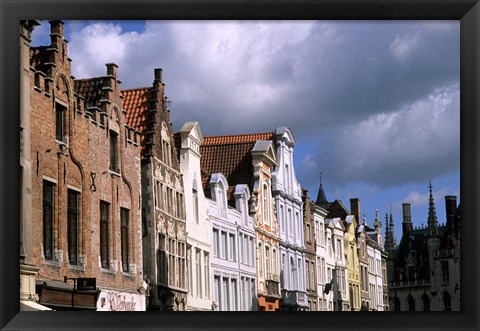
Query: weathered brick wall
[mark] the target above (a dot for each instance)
(73, 165)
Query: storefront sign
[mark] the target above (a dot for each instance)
(120, 301)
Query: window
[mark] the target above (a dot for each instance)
(339, 250)
(206, 275)
(260, 259)
(124, 219)
(226, 296)
(252, 252)
(162, 261)
(179, 198)
(426, 303)
(48, 215)
(308, 233)
(312, 275)
(159, 195)
(104, 236)
(445, 273)
(266, 215)
(195, 205)
(198, 272)
(189, 269)
(216, 243)
(352, 254)
(411, 303)
(72, 226)
(233, 285)
(232, 248)
(267, 260)
(307, 268)
(113, 151)
(216, 291)
(447, 303)
(221, 200)
(225, 245)
(60, 122)
(171, 262)
(274, 259)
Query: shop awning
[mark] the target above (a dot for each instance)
(27, 305)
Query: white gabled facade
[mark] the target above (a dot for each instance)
(287, 194)
(318, 220)
(337, 272)
(233, 263)
(197, 221)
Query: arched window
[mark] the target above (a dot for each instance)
(426, 303)
(267, 260)
(221, 199)
(396, 304)
(447, 303)
(411, 303)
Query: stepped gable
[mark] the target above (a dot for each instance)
(136, 103)
(38, 57)
(230, 155)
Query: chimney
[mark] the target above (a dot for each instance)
(450, 210)
(407, 219)
(112, 70)
(355, 209)
(158, 74)
(56, 33)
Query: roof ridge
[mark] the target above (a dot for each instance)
(134, 89)
(241, 134)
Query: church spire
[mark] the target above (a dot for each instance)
(321, 198)
(392, 230)
(432, 214)
(390, 243)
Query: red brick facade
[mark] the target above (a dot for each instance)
(75, 157)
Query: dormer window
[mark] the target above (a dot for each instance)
(221, 199)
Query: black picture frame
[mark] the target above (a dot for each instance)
(12, 11)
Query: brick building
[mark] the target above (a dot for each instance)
(163, 201)
(85, 186)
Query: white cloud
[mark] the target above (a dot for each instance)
(389, 148)
(403, 45)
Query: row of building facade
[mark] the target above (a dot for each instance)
(121, 213)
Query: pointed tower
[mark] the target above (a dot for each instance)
(393, 242)
(321, 198)
(387, 234)
(432, 215)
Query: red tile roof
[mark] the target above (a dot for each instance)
(136, 103)
(91, 90)
(230, 155)
(238, 138)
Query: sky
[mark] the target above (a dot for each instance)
(374, 105)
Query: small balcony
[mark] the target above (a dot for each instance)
(294, 297)
(443, 253)
(273, 288)
(410, 283)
